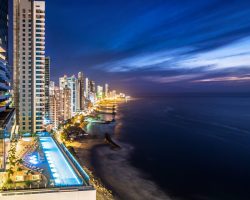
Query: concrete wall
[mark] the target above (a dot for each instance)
(65, 195)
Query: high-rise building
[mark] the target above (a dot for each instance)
(7, 114)
(106, 90)
(47, 84)
(63, 82)
(92, 86)
(29, 63)
(86, 89)
(72, 84)
(80, 92)
(3, 29)
(66, 108)
(51, 87)
(56, 103)
(52, 110)
(60, 104)
(113, 94)
(92, 90)
(99, 92)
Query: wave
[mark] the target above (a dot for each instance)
(126, 181)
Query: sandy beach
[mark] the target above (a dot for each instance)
(111, 171)
(83, 150)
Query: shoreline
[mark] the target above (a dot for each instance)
(107, 161)
(83, 151)
(112, 174)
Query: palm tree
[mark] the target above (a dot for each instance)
(28, 172)
(19, 169)
(19, 161)
(10, 172)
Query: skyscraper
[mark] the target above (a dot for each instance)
(51, 87)
(60, 104)
(29, 63)
(63, 82)
(106, 90)
(3, 28)
(86, 89)
(56, 103)
(7, 114)
(99, 92)
(92, 94)
(72, 85)
(47, 83)
(66, 109)
(80, 87)
(92, 86)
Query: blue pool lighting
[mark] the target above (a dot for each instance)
(62, 171)
(33, 159)
(86, 176)
(53, 170)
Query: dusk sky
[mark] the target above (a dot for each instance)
(152, 46)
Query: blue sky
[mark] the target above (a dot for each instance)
(152, 46)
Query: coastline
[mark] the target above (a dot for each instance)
(83, 151)
(111, 173)
(107, 160)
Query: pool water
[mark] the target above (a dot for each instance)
(61, 170)
(33, 159)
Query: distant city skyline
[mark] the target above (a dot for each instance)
(152, 46)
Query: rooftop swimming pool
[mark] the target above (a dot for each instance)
(61, 170)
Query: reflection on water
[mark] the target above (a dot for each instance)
(192, 147)
(99, 129)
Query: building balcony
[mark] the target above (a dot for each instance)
(4, 96)
(40, 11)
(3, 65)
(4, 86)
(4, 77)
(40, 36)
(2, 108)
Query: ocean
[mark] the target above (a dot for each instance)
(178, 147)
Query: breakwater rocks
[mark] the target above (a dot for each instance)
(109, 140)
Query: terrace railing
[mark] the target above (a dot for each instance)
(76, 164)
(40, 190)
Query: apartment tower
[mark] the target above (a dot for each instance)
(66, 107)
(80, 88)
(7, 113)
(47, 84)
(106, 90)
(72, 85)
(29, 63)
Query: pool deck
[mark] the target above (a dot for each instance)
(63, 173)
(67, 179)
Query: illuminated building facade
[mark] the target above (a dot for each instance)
(99, 92)
(80, 92)
(106, 90)
(47, 83)
(7, 113)
(29, 63)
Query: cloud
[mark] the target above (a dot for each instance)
(223, 79)
(160, 42)
(172, 79)
(233, 55)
